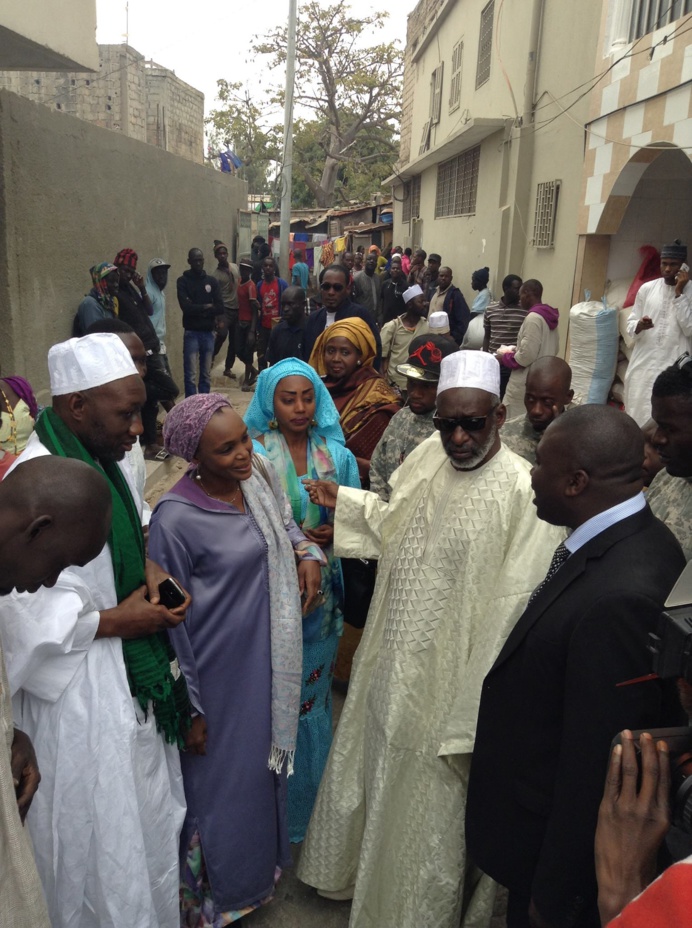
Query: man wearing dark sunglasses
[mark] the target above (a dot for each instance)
(459, 550)
(336, 305)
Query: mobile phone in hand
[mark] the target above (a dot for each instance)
(171, 594)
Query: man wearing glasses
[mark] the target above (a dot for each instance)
(336, 305)
(459, 550)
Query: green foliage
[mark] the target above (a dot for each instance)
(240, 124)
(358, 177)
(352, 89)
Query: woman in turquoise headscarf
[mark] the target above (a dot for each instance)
(296, 425)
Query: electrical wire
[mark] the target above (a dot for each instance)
(630, 54)
(598, 135)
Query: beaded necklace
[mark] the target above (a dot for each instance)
(13, 421)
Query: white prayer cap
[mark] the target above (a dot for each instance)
(438, 323)
(84, 363)
(476, 369)
(412, 292)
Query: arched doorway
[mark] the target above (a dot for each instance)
(657, 196)
(650, 202)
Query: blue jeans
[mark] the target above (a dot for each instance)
(198, 348)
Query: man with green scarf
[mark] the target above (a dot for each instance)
(95, 683)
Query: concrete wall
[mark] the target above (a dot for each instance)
(48, 34)
(129, 94)
(175, 114)
(72, 195)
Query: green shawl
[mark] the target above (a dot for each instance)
(151, 664)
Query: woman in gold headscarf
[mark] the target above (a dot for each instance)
(343, 356)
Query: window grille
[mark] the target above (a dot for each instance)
(436, 94)
(411, 204)
(406, 205)
(485, 44)
(457, 183)
(415, 197)
(455, 85)
(547, 195)
(648, 15)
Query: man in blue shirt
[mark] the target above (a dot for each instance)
(300, 275)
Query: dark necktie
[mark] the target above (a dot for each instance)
(559, 558)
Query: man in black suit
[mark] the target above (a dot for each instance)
(550, 705)
(334, 286)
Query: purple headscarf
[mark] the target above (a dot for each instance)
(23, 390)
(185, 423)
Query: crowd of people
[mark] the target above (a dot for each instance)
(416, 507)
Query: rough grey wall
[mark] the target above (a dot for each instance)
(72, 195)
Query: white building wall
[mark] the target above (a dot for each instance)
(48, 35)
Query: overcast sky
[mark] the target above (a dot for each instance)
(203, 41)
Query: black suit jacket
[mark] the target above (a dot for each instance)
(550, 708)
(317, 320)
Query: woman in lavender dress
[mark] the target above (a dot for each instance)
(227, 528)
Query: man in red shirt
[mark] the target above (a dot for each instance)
(269, 292)
(246, 333)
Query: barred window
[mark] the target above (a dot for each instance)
(455, 84)
(485, 44)
(648, 15)
(411, 205)
(415, 196)
(547, 195)
(457, 183)
(436, 94)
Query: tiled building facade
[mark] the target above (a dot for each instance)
(637, 182)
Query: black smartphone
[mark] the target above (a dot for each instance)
(171, 593)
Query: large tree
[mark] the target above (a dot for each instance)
(358, 177)
(240, 124)
(352, 88)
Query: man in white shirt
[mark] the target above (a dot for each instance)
(661, 325)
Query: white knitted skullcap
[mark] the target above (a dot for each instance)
(476, 369)
(83, 363)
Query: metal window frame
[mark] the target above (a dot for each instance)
(485, 44)
(415, 196)
(425, 138)
(455, 81)
(411, 199)
(649, 15)
(545, 214)
(406, 205)
(457, 184)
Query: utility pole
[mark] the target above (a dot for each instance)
(287, 173)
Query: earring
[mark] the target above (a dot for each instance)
(313, 421)
(358, 363)
(273, 424)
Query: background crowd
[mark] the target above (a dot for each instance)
(405, 459)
